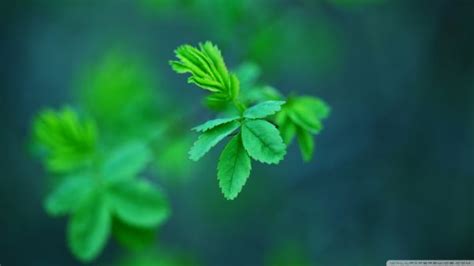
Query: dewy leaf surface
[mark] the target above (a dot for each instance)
(138, 203)
(233, 168)
(263, 109)
(213, 123)
(210, 138)
(89, 228)
(68, 195)
(262, 141)
(126, 161)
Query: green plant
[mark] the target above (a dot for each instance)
(98, 152)
(252, 129)
(104, 192)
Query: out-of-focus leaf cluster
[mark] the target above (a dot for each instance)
(100, 151)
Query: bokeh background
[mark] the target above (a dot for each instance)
(393, 173)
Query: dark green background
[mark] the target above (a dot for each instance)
(393, 174)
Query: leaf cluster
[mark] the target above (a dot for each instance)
(260, 132)
(103, 196)
(98, 156)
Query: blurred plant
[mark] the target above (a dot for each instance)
(257, 136)
(97, 156)
(159, 257)
(288, 253)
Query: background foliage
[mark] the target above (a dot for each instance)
(396, 152)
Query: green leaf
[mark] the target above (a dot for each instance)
(118, 90)
(307, 112)
(315, 106)
(233, 168)
(248, 74)
(263, 109)
(306, 143)
(287, 131)
(89, 228)
(210, 138)
(67, 196)
(67, 142)
(126, 161)
(139, 204)
(303, 118)
(213, 123)
(208, 70)
(262, 141)
(131, 237)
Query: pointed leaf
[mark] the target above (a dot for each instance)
(234, 168)
(263, 109)
(210, 138)
(68, 195)
(138, 203)
(306, 143)
(213, 123)
(262, 141)
(126, 161)
(89, 228)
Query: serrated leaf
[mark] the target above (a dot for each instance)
(89, 228)
(262, 141)
(67, 141)
(213, 123)
(132, 237)
(210, 138)
(126, 161)
(138, 203)
(306, 143)
(67, 196)
(233, 168)
(263, 109)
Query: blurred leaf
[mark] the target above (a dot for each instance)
(233, 168)
(68, 142)
(248, 74)
(302, 116)
(131, 237)
(89, 228)
(127, 161)
(213, 123)
(270, 44)
(306, 143)
(159, 257)
(169, 159)
(262, 141)
(139, 204)
(263, 109)
(210, 138)
(289, 253)
(68, 195)
(287, 128)
(207, 69)
(307, 112)
(262, 93)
